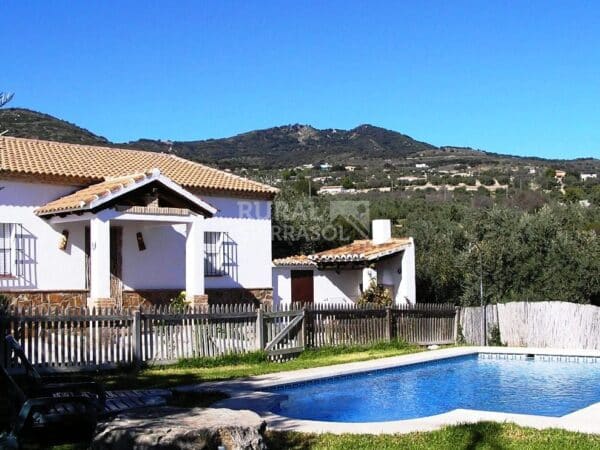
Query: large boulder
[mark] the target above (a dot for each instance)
(179, 428)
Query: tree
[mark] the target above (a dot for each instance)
(574, 194)
(347, 183)
(5, 97)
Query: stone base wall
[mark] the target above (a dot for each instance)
(154, 297)
(108, 303)
(232, 296)
(199, 300)
(137, 299)
(47, 299)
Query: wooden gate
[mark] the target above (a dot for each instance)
(281, 332)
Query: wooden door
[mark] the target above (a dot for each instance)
(87, 250)
(116, 265)
(303, 286)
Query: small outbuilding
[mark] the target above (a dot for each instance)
(341, 274)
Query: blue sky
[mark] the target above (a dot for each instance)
(520, 77)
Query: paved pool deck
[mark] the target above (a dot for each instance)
(249, 394)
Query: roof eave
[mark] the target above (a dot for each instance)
(127, 187)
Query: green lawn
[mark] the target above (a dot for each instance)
(237, 366)
(484, 435)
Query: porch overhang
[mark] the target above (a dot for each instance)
(142, 194)
(114, 215)
(148, 199)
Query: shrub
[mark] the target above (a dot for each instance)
(4, 303)
(495, 339)
(180, 302)
(375, 294)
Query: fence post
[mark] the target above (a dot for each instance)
(136, 339)
(260, 329)
(303, 328)
(456, 323)
(389, 326)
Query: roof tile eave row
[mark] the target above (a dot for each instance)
(84, 199)
(86, 163)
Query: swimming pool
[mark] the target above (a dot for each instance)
(542, 386)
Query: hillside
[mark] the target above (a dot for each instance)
(31, 124)
(290, 145)
(283, 146)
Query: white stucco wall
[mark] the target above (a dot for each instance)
(160, 266)
(399, 272)
(336, 288)
(46, 267)
(282, 285)
(248, 223)
(332, 287)
(329, 286)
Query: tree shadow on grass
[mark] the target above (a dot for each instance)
(145, 380)
(480, 435)
(278, 440)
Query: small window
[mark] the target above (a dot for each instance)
(213, 259)
(219, 254)
(10, 250)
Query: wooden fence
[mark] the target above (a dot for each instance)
(422, 324)
(97, 339)
(535, 324)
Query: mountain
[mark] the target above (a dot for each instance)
(25, 123)
(283, 146)
(279, 146)
(291, 145)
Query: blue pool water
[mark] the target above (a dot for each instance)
(532, 386)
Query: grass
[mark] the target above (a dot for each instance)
(483, 435)
(238, 366)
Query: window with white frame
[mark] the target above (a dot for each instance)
(219, 254)
(213, 261)
(10, 236)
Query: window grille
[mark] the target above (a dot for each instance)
(219, 254)
(11, 249)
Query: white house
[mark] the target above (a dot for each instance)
(87, 225)
(339, 275)
(332, 190)
(588, 176)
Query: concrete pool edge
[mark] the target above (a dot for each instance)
(248, 394)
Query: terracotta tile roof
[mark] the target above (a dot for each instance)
(362, 250)
(93, 195)
(357, 251)
(298, 260)
(86, 164)
(84, 197)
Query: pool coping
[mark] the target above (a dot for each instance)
(248, 394)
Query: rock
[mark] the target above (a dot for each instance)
(179, 428)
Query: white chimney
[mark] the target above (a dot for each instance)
(382, 231)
